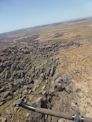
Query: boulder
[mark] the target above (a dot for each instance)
(53, 69)
(42, 77)
(1, 103)
(6, 94)
(3, 119)
(25, 92)
(2, 89)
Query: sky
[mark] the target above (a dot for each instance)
(17, 14)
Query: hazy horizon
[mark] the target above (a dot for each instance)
(45, 24)
(15, 14)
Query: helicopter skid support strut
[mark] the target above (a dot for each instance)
(75, 118)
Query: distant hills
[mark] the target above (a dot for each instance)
(4, 37)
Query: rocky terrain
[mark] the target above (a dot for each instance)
(49, 67)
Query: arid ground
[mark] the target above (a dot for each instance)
(47, 66)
